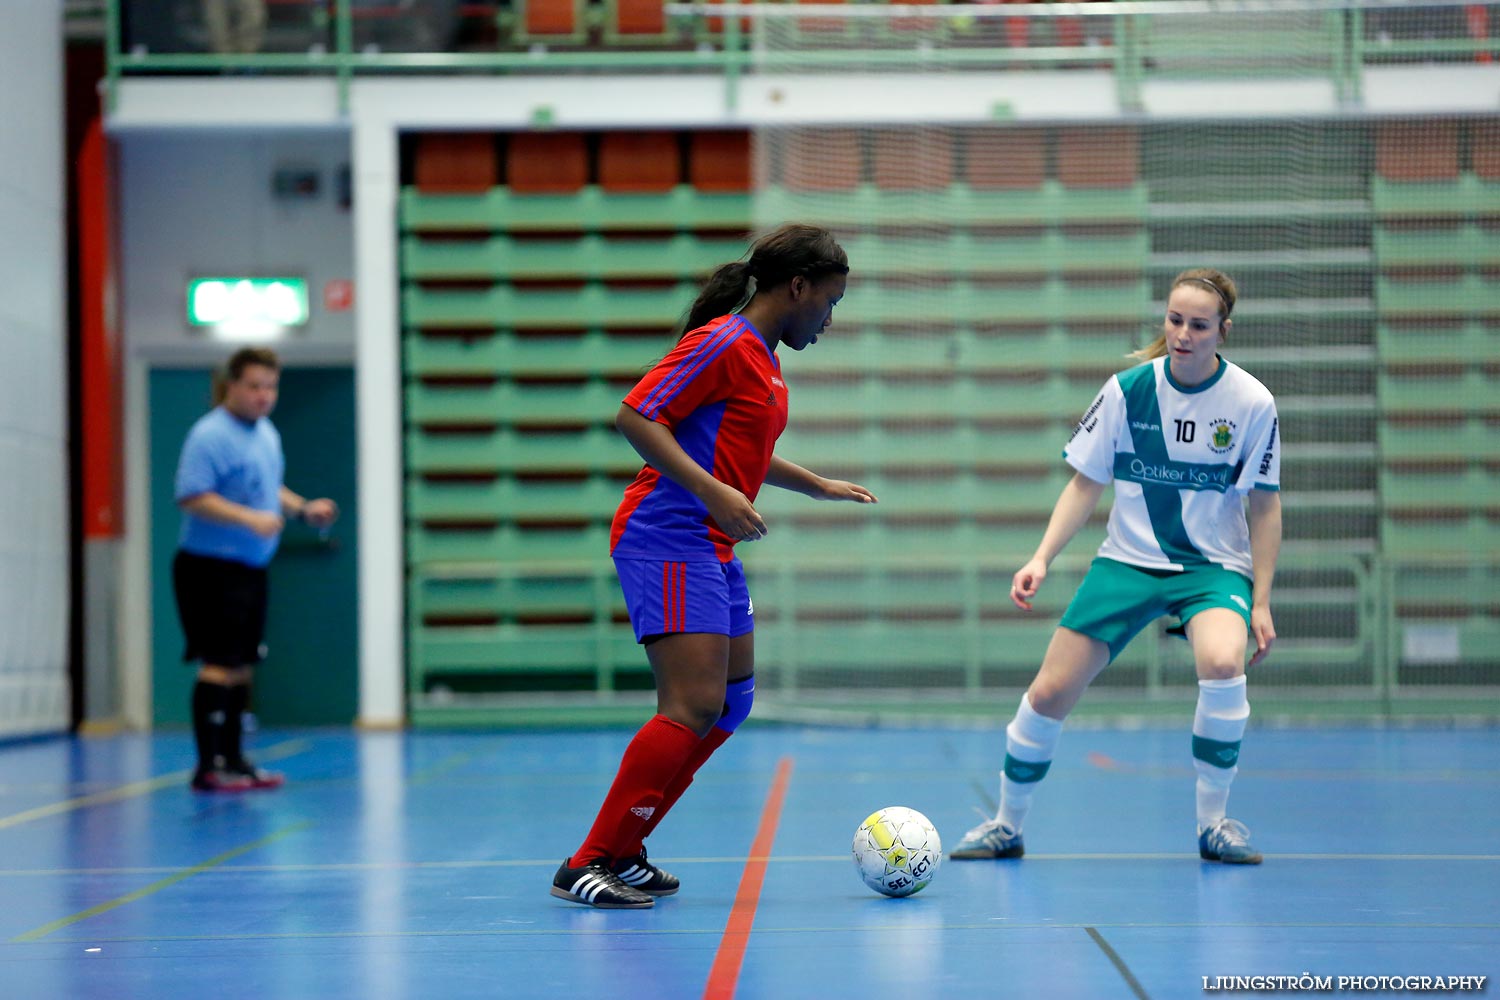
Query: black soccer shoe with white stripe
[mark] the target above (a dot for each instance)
(645, 876)
(593, 884)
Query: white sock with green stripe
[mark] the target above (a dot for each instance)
(1030, 741)
(1218, 726)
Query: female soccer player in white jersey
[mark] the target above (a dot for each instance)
(1184, 437)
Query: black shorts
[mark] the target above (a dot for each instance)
(222, 607)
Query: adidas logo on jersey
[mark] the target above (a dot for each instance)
(771, 399)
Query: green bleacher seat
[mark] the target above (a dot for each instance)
(1416, 533)
(1025, 252)
(503, 596)
(1438, 343)
(591, 210)
(1440, 391)
(959, 399)
(593, 449)
(967, 302)
(524, 649)
(1459, 487)
(426, 542)
(1445, 438)
(861, 348)
(512, 403)
(1466, 245)
(684, 256)
(1095, 350)
(958, 206)
(592, 306)
(1467, 295)
(1468, 197)
(490, 353)
(504, 496)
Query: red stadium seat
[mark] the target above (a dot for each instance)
(1484, 153)
(822, 160)
(719, 161)
(912, 159)
(453, 162)
(639, 161)
(1005, 157)
(558, 18)
(639, 17)
(1417, 151)
(547, 162)
(1098, 157)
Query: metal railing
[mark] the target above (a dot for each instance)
(1137, 42)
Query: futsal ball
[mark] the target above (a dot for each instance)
(897, 851)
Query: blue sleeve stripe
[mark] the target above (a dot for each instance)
(688, 368)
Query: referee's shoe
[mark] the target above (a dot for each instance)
(593, 884)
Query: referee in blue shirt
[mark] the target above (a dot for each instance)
(234, 505)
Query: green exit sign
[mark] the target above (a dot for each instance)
(250, 303)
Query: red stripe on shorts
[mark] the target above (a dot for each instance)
(672, 596)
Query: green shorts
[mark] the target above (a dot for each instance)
(1117, 600)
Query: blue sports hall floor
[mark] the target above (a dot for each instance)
(417, 865)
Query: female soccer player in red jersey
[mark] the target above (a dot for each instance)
(705, 419)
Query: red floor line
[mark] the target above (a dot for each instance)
(725, 974)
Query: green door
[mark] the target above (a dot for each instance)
(311, 674)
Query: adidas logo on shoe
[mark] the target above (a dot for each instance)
(645, 876)
(595, 885)
(644, 812)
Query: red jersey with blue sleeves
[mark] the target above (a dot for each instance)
(721, 393)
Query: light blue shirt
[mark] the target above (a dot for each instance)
(241, 462)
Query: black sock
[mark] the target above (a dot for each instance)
(234, 752)
(210, 715)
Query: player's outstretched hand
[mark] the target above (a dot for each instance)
(735, 515)
(838, 489)
(1264, 631)
(320, 513)
(1026, 582)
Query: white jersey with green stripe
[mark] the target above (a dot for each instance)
(1182, 460)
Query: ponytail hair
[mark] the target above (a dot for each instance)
(1210, 278)
(726, 290)
(773, 260)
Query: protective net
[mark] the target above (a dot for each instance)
(1002, 272)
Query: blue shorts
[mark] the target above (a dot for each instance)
(664, 596)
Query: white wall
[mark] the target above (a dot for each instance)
(197, 203)
(34, 690)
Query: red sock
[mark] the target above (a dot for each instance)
(704, 750)
(651, 761)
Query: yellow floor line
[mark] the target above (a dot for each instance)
(135, 788)
(157, 886)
